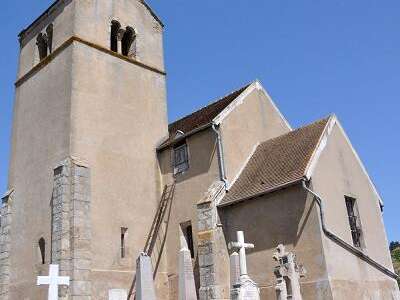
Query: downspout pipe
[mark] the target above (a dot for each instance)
(220, 151)
(355, 251)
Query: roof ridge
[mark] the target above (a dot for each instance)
(244, 87)
(294, 131)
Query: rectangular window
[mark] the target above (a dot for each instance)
(181, 158)
(187, 231)
(354, 221)
(123, 236)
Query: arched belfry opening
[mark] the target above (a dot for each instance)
(42, 250)
(128, 42)
(44, 42)
(49, 32)
(115, 27)
(123, 40)
(41, 42)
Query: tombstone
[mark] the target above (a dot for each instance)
(53, 281)
(234, 268)
(245, 289)
(187, 287)
(117, 294)
(288, 275)
(144, 279)
(281, 288)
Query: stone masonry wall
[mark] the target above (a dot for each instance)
(213, 261)
(71, 228)
(5, 243)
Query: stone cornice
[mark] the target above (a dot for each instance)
(77, 39)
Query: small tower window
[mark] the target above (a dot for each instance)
(42, 250)
(42, 45)
(354, 221)
(181, 158)
(44, 42)
(49, 32)
(128, 42)
(115, 27)
(123, 236)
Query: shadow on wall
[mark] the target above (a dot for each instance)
(270, 220)
(202, 149)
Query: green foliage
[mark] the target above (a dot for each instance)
(394, 245)
(395, 251)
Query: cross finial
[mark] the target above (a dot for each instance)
(53, 281)
(241, 246)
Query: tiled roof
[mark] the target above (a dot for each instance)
(276, 163)
(203, 116)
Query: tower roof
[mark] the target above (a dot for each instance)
(56, 2)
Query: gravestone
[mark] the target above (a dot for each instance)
(144, 279)
(117, 294)
(53, 281)
(235, 268)
(281, 288)
(187, 287)
(288, 273)
(246, 288)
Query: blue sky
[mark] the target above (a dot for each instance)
(314, 58)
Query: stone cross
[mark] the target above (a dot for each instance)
(245, 288)
(53, 281)
(241, 246)
(187, 286)
(288, 268)
(144, 279)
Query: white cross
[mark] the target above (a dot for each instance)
(241, 246)
(53, 281)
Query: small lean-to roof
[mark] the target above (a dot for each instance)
(277, 163)
(201, 117)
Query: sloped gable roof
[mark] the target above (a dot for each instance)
(277, 162)
(201, 117)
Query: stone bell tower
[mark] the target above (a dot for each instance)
(84, 183)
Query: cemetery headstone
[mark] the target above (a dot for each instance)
(246, 288)
(53, 281)
(145, 289)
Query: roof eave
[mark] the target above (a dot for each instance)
(271, 190)
(184, 136)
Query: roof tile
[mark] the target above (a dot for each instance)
(277, 162)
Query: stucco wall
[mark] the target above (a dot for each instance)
(100, 109)
(40, 140)
(190, 188)
(118, 117)
(287, 217)
(131, 13)
(250, 123)
(339, 174)
(62, 18)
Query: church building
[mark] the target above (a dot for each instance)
(97, 176)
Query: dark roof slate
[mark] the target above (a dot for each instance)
(276, 163)
(202, 116)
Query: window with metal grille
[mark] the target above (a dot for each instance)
(181, 158)
(354, 221)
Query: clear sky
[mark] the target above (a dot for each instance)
(314, 58)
